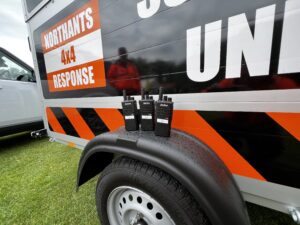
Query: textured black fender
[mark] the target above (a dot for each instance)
(184, 157)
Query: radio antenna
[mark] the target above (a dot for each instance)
(124, 95)
(160, 94)
(143, 93)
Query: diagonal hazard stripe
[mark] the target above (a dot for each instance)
(289, 121)
(64, 122)
(93, 120)
(52, 120)
(78, 123)
(191, 122)
(112, 118)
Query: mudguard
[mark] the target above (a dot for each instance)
(184, 157)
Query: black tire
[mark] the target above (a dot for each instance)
(168, 192)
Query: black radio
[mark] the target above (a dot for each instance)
(130, 113)
(146, 112)
(163, 115)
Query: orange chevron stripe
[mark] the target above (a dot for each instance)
(54, 123)
(112, 118)
(192, 123)
(289, 121)
(78, 123)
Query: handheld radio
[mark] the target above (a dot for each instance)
(130, 113)
(146, 112)
(163, 115)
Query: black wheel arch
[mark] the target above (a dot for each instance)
(182, 156)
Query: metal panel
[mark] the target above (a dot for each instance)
(267, 194)
(270, 195)
(248, 101)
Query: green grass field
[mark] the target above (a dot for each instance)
(37, 187)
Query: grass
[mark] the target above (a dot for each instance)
(37, 184)
(37, 187)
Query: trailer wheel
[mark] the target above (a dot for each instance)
(130, 192)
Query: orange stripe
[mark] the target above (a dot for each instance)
(78, 123)
(191, 122)
(289, 121)
(112, 118)
(54, 122)
(71, 144)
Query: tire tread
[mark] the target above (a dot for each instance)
(181, 194)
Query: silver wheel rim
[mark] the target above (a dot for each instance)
(130, 206)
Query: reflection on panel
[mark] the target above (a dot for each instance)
(158, 51)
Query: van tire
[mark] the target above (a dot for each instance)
(152, 183)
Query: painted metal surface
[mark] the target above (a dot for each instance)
(162, 58)
(239, 111)
(250, 144)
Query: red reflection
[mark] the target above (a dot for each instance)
(123, 74)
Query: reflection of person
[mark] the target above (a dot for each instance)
(123, 74)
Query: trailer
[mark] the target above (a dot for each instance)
(230, 70)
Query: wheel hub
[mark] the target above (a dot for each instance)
(130, 206)
(138, 220)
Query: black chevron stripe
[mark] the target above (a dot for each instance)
(269, 148)
(64, 121)
(93, 120)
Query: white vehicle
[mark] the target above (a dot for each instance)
(20, 104)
